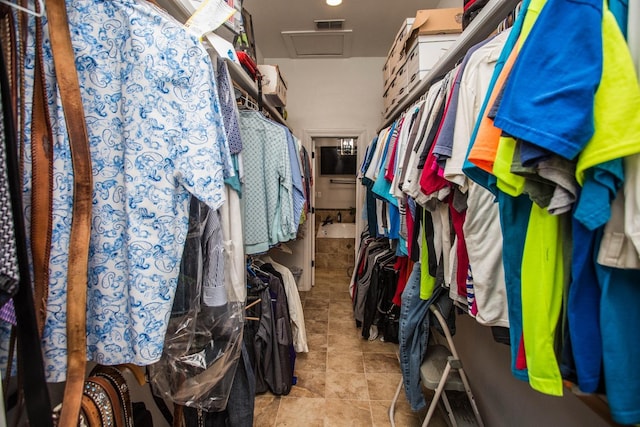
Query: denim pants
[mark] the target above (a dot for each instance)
(414, 337)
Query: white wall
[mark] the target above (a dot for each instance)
(449, 3)
(332, 94)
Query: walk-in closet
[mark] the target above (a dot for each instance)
(335, 213)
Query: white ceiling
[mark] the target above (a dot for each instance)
(374, 24)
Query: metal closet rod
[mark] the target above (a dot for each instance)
(479, 29)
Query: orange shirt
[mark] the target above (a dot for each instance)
(485, 147)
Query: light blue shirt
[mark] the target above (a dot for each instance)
(268, 186)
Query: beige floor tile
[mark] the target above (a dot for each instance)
(266, 410)
(344, 342)
(340, 295)
(340, 312)
(378, 346)
(348, 413)
(316, 314)
(301, 411)
(343, 304)
(380, 414)
(381, 363)
(346, 328)
(346, 386)
(404, 416)
(317, 342)
(320, 291)
(383, 386)
(347, 362)
(310, 302)
(309, 384)
(324, 278)
(315, 326)
(314, 361)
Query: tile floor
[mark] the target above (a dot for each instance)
(344, 380)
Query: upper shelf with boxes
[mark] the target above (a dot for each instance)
(419, 44)
(233, 41)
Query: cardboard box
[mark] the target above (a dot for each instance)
(396, 54)
(274, 87)
(434, 21)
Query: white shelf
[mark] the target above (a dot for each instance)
(239, 76)
(479, 29)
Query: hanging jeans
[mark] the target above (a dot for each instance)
(414, 336)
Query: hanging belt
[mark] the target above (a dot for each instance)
(42, 185)
(66, 74)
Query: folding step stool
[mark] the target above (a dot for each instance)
(442, 371)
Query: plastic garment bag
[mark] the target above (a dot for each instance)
(203, 341)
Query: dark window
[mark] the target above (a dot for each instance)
(334, 163)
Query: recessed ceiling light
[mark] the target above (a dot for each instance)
(334, 2)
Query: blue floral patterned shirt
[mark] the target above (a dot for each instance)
(156, 135)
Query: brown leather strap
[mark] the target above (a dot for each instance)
(119, 383)
(109, 400)
(41, 188)
(178, 412)
(67, 77)
(137, 371)
(90, 412)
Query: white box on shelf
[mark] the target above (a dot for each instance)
(424, 54)
(274, 87)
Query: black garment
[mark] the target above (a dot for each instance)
(292, 353)
(272, 335)
(241, 403)
(377, 252)
(258, 333)
(384, 280)
(281, 378)
(501, 335)
(372, 214)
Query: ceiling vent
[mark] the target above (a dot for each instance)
(329, 24)
(318, 44)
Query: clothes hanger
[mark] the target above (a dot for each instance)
(251, 305)
(250, 267)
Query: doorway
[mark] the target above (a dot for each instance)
(335, 172)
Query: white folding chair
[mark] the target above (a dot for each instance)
(442, 371)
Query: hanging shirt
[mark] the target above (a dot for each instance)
(296, 313)
(564, 88)
(268, 203)
(474, 86)
(296, 178)
(228, 107)
(155, 134)
(411, 183)
(444, 142)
